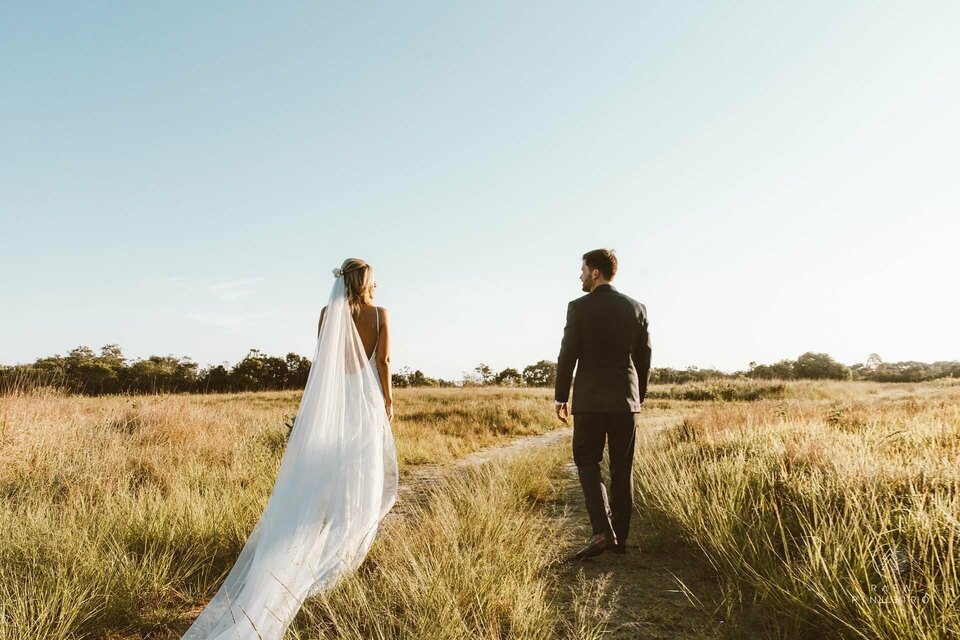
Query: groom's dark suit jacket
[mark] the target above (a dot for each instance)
(607, 334)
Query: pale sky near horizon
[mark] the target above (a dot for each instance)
(775, 177)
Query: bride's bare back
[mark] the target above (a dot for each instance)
(374, 329)
(369, 325)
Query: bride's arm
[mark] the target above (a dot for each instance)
(320, 326)
(383, 361)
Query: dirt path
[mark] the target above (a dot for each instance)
(650, 602)
(424, 476)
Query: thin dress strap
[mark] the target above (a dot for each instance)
(377, 309)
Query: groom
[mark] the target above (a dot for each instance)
(606, 333)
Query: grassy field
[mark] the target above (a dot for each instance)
(120, 514)
(830, 512)
(823, 508)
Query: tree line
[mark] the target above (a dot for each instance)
(84, 371)
(87, 372)
(820, 366)
(539, 374)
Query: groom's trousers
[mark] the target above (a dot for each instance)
(590, 432)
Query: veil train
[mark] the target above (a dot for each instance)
(337, 480)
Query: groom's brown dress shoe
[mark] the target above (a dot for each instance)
(597, 545)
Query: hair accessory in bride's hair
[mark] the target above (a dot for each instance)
(337, 272)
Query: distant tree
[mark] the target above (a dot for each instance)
(471, 379)
(951, 369)
(80, 355)
(783, 370)
(111, 359)
(158, 374)
(113, 355)
(418, 379)
(541, 374)
(487, 375)
(298, 370)
(184, 374)
(248, 374)
(214, 379)
(406, 378)
(509, 378)
(401, 378)
(88, 373)
(820, 366)
(275, 373)
(54, 367)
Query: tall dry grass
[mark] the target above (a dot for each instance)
(118, 513)
(830, 513)
(441, 425)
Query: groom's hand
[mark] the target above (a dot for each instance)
(563, 412)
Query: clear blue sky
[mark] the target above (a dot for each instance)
(775, 177)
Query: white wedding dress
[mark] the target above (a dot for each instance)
(337, 480)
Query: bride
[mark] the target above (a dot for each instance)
(337, 479)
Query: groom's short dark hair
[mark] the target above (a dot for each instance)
(602, 259)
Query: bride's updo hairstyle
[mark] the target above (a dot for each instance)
(358, 281)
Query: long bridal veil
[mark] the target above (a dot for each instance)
(337, 480)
